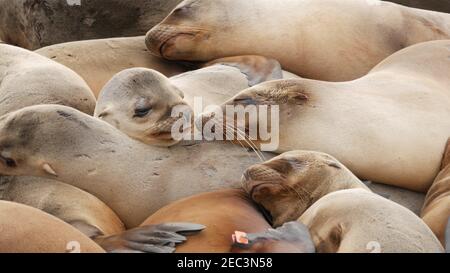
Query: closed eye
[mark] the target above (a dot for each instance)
(142, 112)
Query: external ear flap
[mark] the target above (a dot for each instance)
(161, 238)
(258, 69)
(446, 158)
(48, 169)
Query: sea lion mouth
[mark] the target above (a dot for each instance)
(161, 38)
(162, 135)
(170, 42)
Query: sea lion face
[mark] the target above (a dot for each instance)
(288, 184)
(285, 94)
(36, 140)
(188, 33)
(20, 147)
(139, 102)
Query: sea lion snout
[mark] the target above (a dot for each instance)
(165, 41)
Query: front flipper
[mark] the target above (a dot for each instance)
(258, 69)
(161, 238)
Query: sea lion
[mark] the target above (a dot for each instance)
(436, 209)
(140, 101)
(30, 79)
(331, 40)
(28, 230)
(91, 216)
(224, 212)
(97, 61)
(34, 23)
(395, 119)
(132, 178)
(27, 79)
(72, 205)
(340, 212)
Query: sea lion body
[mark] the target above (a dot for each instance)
(341, 213)
(358, 221)
(329, 40)
(29, 230)
(97, 61)
(222, 213)
(70, 204)
(105, 162)
(29, 79)
(395, 119)
(35, 24)
(436, 209)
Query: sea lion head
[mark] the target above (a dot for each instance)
(196, 30)
(284, 94)
(36, 140)
(292, 237)
(287, 185)
(140, 102)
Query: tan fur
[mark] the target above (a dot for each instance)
(436, 210)
(331, 40)
(222, 213)
(357, 221)
(28, 230)
(389, 126)
(290, 183)
(132, 178)
(96, 61)
(342, 214)
(63, 201)
(30, 79)
(27, 79)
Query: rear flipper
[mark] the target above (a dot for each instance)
(161, 238)
(257, 69)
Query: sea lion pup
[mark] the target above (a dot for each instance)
(225, 212)
(97, 61)
(140, 102)
(34, 24)
(28, 230)
(395, 119)
(436, 209)
(132, 178)
(28, 79)
(330, 40)
(340, 212)
(72, 205)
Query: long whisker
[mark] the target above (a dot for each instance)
(220, 122)
(254, 148)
